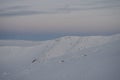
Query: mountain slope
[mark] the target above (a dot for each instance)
(66, 58)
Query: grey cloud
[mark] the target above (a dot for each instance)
(86, 8)
(16, 11)
(23, 10)
(103, 4)
(28, 10)
(14, 8)
(8, 1)
(22, 13)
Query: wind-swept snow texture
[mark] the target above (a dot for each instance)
(65, 58)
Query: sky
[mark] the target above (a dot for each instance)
(53, 18)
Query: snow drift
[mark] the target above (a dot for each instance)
(65, 58)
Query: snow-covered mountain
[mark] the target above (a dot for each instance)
(65, 58)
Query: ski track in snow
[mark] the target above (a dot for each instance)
(65, 58)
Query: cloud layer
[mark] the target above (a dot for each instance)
(59, 16)
(30, 7)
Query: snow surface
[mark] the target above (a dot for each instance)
(65, 58)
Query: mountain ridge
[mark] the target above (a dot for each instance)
(60, 46)
(28, 43)
(65, 58)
